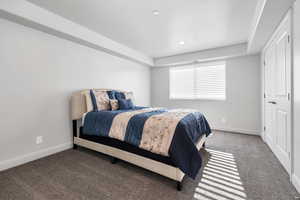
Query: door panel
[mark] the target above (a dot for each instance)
(269, 72)
(281, 76)
(282, 120)
(270, 133)
(282, 147)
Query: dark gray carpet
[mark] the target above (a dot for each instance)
(245, 170)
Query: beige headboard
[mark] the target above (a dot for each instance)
(81, 102)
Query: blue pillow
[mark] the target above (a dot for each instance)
(111, 94)
(125, 104)
(119, 95)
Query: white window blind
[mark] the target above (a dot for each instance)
(182, 83)
(199, 81)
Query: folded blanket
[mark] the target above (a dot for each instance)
(172, 133)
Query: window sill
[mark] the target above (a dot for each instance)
(198, 99)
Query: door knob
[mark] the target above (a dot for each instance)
(272, 102)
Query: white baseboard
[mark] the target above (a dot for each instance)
(6, 164)
(236, 130)
(296, 182)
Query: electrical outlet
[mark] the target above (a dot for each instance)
(39, 139)
(223, 120)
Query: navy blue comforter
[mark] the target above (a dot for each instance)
(182, 151)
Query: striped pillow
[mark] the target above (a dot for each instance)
(100, 100)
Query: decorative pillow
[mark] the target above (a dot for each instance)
(122, 95)
(100, 100)
(111, 94)
(114, 104)
(129, 95)
(125, 104)
(119, 95)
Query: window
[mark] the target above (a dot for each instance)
(198, 81)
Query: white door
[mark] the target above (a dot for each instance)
(270, 96)
(277, 95)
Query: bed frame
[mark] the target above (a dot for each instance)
(80, 104)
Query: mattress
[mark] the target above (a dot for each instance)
(127, 147)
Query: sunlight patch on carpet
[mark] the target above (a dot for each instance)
(221, 179)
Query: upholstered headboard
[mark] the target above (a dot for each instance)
(81, 102)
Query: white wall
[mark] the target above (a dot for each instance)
(242, 108)
(38, 74)
(31, 15)
(296, 92)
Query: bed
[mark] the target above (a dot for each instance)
(163, 141)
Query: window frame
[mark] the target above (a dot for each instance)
(194, 66)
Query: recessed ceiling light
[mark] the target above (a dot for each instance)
(155, 12)
(181, 43)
